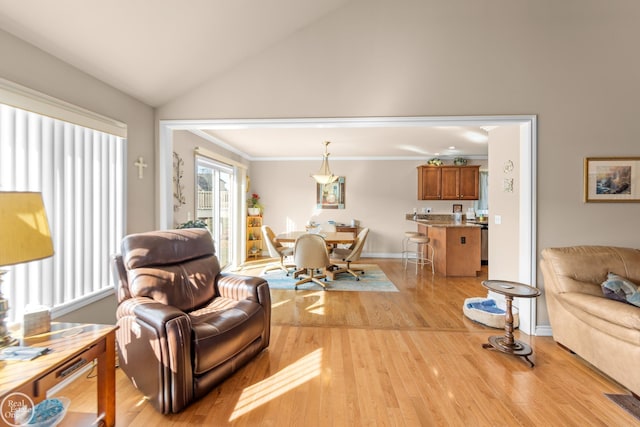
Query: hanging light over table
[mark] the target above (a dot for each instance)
(324, 175)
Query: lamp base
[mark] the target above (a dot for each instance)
(6, 339)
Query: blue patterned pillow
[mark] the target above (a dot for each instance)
(620, 289)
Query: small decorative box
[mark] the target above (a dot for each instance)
(36, 320)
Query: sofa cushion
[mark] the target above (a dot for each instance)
(620, 289)
(223, 329)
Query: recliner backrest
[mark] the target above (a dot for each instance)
(173, 267)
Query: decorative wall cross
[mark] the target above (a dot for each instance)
(140, 164)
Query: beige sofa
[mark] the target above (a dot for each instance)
(604, 332)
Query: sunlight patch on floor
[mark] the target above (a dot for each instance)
(318, 306)
(282, 382)
(279, 304)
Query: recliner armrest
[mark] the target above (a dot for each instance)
(252, 288)
(153, 313)
(240, 287)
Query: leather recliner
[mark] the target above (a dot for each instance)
(183, 325)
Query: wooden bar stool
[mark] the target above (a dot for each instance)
(424, 253)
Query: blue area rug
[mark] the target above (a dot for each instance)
(373, 280)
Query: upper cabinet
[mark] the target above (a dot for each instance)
(448, 182)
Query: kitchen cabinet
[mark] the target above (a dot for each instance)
(448, 182)
(457, 250)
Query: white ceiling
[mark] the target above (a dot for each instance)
(388, 142)
(158, 50)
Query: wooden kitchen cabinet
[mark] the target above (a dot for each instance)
(429, 183)
(448, 182)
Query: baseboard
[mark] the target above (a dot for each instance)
(544, 331)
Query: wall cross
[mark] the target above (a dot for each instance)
(140, 164)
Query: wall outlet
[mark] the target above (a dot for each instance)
(497, 219)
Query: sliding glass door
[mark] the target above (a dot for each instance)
(214, 191)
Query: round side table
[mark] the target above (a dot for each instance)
(507, 344)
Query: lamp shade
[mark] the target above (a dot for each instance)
(24, 229)
(324, 175)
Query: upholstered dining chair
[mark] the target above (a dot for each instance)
(276, 250)
(310, 254)
(348, 255)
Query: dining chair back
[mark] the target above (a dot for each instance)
(348, 255)
(276, 250)
(310, 254)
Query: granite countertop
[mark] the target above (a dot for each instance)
(441, 220)
(431, 223)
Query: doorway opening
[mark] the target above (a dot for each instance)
(526, 175)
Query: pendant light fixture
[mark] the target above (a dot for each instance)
(324, 175)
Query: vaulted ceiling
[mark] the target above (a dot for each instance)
(158, 50)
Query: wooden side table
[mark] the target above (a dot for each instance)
(506, 343)
(73, 346)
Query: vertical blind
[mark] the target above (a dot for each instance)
(80, 173)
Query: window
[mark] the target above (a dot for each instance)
(214, 190)
(81, 175)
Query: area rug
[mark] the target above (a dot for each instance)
(373, 280)
(626, 402)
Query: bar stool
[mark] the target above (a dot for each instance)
(405, 244)
(424, 253)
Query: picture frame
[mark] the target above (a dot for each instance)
(457, 208)
(612, 179)
(331, 196)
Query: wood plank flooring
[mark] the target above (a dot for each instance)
(409, 358)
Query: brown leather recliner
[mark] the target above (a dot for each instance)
(183, 325)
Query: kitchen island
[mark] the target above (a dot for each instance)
(457, 245)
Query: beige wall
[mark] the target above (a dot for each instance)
(31, 67)
(26, 65)
(504, 240)
(377, 193)
(571, 63)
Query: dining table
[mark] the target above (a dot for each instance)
(331, 237)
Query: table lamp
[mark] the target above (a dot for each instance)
(24, 236)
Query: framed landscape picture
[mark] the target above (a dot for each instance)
(331, 196)
(612, 179)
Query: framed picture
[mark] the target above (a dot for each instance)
(331, 196)
(612, 179)
(457, 208)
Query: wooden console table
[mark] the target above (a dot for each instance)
(73, 346)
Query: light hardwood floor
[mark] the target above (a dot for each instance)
(408, 358)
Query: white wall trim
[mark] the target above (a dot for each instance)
(22, 97)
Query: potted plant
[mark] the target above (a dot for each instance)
(253, 205)
(193, 223)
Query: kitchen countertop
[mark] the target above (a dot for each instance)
(444, 220)
(434, 223)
